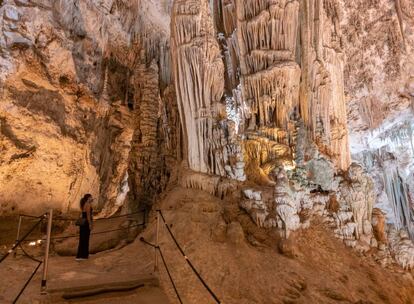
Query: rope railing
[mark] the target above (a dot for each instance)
(166, 267)
(158, 248)
(18, 242)
(100, 219)
(28, 255)
(23, 240)
(99, 232)
(93, 233)
(32, 216)
(187, 259)
(27, 282)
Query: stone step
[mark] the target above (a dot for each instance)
(78, 289)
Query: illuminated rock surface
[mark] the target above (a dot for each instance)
(296, 115)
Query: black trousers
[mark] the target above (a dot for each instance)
(83, 247)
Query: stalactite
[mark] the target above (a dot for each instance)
(143, 38)
(397, 193)
(104, 96)
(198, 76)
(322, 100)
(393, 181)
(267, 35)
(214, 185)
(400, 18)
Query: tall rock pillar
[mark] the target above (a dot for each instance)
(199, 81)
(322, 99)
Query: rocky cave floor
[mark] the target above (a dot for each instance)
(224, 245)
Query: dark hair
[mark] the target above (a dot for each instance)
(84, 199)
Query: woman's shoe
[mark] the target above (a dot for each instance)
(80, 259)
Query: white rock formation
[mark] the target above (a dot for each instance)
(232, 89)
(402, 248)
(357, 195)
(198, 76)
(255, 207)
(286, 207)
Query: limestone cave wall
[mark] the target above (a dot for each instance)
(378, 40)
(118, 98)
(86, 104)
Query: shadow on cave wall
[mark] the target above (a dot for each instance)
(108, 146)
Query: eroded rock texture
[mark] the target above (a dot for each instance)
(281, 71)
(81, 109)
(271, 97)
(323, 106)
(151, 148)
(198, 75)
(380, 101)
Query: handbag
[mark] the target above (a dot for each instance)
(81, 222)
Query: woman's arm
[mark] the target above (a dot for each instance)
(89, 215)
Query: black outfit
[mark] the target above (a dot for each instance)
(84, 234)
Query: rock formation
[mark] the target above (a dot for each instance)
(198, 76)
(357, 194)
(285, 206)
(322, 96)
(255, 206)
(70, 67)
(272, 97)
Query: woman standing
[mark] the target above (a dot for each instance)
(85, 224)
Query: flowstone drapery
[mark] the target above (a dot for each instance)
(322, 98)
(198, 76)
(220, 96)
(287, 71)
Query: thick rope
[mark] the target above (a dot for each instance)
(187, 259)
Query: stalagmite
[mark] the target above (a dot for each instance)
(379, 226)
(254, 205)
(402, 248)
(357, 194)
(146, 159)
(286, 207)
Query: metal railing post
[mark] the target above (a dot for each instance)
(156, 242)
(18, 233)
(46, 257)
